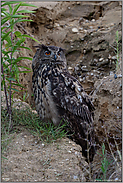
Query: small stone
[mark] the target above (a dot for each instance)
(69, 151)
(84, 66)
(117, 107)
(84, 51)
(81, 28)
(70, 68)
(93, 20)
(75, 177)
(42, 144)
(101, 59)
(86, 21)
(114, 58)
(74, 30)
(69, 8)
(109, 56)
(91, 27)
(119, 75)
(77, 68)
(56, 25)
(85, 31)
(111, 73)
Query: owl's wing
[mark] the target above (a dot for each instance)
(68, 94)
(75, 106)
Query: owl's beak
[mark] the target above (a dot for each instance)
(55, 57)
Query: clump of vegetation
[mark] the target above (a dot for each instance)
(12, 41)
(26, 119)
(104, 164)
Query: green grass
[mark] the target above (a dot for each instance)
(26, 119)
(104, 164)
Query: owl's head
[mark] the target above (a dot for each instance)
(50, 55)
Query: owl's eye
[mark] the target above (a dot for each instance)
(47, 53)
(59, 53)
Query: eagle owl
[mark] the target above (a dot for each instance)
(59, 96)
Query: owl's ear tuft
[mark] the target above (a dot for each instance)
(44, 46)
(61, 49)
(41, 46)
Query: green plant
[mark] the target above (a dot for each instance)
(105, 163)
(25, 118)
(11, 42)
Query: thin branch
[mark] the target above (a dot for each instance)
(7, 104)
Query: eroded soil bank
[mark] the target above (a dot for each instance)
(87, 30)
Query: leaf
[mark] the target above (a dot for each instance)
(26, 4)
(25, 48)
(16, 8)
(17, 33)
(17, 85)
(4, 20)
(3, 9)
(31, 38)
(102, 168)
(26, 11)
(25, 67)
(24, 71)
(15, 89)
(11, 79)
(5, 35)
(10, 8)
(26, 58)
(18, 16)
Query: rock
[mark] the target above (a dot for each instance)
(74, 30)
(101, 59)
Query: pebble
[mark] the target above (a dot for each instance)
(114, 58)
(93, 20)
(70, 68)
(77, 68)
(74, 30)
(91, 27)
(111, 73)
(42, 144)
(69, 151)
(75, 177)
(81, 28)
(56, 25)
(101, 59)
(86, 21)
(119, 75)
(69, 8)
(84, 51)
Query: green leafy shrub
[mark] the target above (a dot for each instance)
(11, 42)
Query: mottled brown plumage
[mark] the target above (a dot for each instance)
(59, 96)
